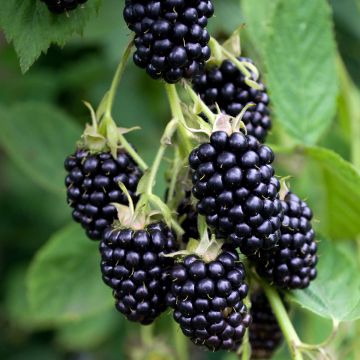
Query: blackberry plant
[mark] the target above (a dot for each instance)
(216, 263)
(96, 170)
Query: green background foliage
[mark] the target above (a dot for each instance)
(52, 301)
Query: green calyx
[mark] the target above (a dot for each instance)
(229, 51)
(102, 135)
(207, 248)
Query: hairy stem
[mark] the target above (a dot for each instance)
(174, 101)
(283, 319)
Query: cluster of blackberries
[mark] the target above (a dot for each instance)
(225, 86)
(292, 263)
(170, 36)
(93, 185)
(134, 266)
(61, 6)
(234, 182)
(264, 332)
(207, 298)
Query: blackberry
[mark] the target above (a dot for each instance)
(225, 86)
(133, 265)
(292, 264)
(265, 335)
(187, 216)
(207, 299)
(60, 6)
(93, 185)
(170, 36)
(234, 182)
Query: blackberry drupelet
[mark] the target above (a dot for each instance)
(234, 182)
(170, 36)
(225, 86)
(61, 6)
(187, 216)
(133, 266)
(292, 264)
(93, 184)
(265, 335)
(207, 298)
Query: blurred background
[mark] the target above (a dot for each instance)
(32, 209)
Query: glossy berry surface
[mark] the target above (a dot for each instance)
(133, 265)
(187, 217)
(265, 335)
(60, 6)
(207, 299)
(224, 85)
(92, 183)
(234, 182)
(292, 264)
(170, 36)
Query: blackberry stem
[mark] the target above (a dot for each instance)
(147, 334)
(176, 168)
(282, 317)
(196, 99)
(215, 46)
(216, 50)
(166, 138)
(174, 101)
(105, 108)
(245, 347)
(180, 343)
(117, 77)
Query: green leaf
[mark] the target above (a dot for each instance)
(231, 12)
(257, 19)
(64, 280)
(341, 187)
(300, 56)
(32, 28)
(89, 333)
(38, 137)
(16, 305)
(335, 294)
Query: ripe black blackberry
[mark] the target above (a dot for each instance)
(265, 335)
(93, 184)
(225, 86)
(207, 298)
(60, 6)
(234, 182)
(292, 264)
(133, 265)
(170, 36)
(187, 216)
